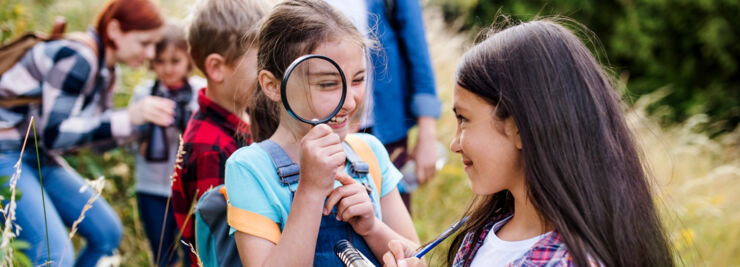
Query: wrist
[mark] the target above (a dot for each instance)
(427, 130)
(311, 194)
(375, 229)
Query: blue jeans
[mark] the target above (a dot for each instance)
(101, 227)
(152, 209)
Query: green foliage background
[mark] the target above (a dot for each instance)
(691, 47)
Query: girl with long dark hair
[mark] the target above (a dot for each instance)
(557, 175)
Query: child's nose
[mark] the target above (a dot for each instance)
(455, 144)
(350, 102)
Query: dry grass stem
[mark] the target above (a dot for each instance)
(6, 250)
(97, 185)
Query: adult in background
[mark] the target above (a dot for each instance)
(74, 81)
(404, 93)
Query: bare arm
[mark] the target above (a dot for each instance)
(321, 158)
(425, 152)
(297, 242)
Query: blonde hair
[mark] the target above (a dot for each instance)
(225, 27)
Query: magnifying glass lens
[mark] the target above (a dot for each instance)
(314, 90)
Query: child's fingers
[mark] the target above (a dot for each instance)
(335, 160)
(336, 195)
(352, 201)
(345, 179)
(357, 210)
(331, 150)
(389, 260)
(397, 248)
(331, 139)
(317, 132)
(411, 262)
(396, 256)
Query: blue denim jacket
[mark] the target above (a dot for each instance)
(403, 82)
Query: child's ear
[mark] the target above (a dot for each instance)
(269, 84)
(214, 67)
(513, 132)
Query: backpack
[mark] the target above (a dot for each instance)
(214, 244)
(14, 51)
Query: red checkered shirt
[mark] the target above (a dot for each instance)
(212, 134)
(548, 251)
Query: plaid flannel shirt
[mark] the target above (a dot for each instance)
(76, 91)
(548, 251)
(212, 134)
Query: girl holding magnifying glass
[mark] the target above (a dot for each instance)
(283, 223)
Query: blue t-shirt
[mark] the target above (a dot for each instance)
(259, 204)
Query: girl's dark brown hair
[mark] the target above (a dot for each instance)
(583, 172)
(132, 15)
(293, 28)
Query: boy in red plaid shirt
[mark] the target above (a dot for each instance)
(222, 38)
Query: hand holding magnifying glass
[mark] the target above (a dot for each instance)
(313, 90)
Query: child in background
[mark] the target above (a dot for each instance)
(222, 38)
(172, 65)
(278, 221)
(546, 148)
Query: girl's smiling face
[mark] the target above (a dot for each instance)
(325, 87)
(490, 147)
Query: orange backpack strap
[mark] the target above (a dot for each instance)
(222, 190)
(363, 150)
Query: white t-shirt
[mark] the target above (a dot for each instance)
(497, 252)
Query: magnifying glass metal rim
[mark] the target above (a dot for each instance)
(284, 83)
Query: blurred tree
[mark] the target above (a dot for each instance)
(692, 47)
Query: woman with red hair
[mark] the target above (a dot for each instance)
(74, 79)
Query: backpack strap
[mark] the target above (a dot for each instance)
(357, 165)
(85, 39)
(12, 52)
(286, 168)
(363, 150)
(361, 157)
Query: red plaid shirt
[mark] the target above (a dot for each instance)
(212, 134)
(548, 251)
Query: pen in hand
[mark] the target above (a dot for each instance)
(423, 250)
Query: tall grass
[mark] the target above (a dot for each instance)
(11, 229)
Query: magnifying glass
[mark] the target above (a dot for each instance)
(313, 89)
